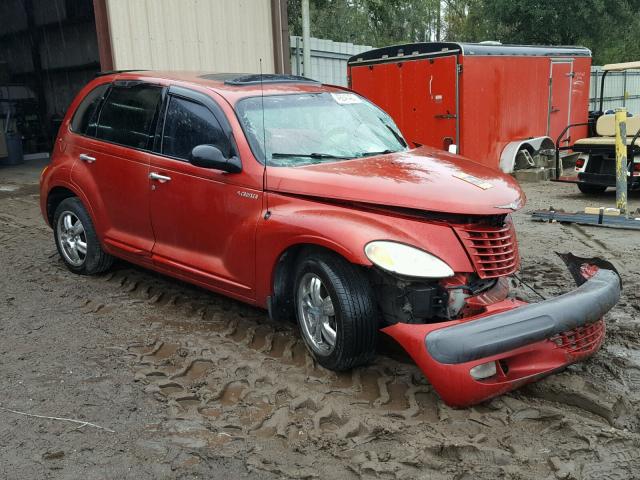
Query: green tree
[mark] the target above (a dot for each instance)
(610, 28)
(369, 22)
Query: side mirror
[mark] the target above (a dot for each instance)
(209, 156)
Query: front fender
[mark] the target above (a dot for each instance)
(346, 231)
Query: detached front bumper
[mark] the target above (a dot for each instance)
(526, 341)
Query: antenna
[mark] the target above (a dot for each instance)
(267, 213)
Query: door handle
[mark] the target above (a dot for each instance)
(87, 158)
(445, 116)
(160, 178)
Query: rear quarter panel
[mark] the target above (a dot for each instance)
(58, 173)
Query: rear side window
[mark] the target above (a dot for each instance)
(189, 124)
(128, 114)
(84, 118)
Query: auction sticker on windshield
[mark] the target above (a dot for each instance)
(346, 98)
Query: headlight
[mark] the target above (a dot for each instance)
(405, 260)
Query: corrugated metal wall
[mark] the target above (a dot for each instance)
(328, 59)
(209, 35)
(621, 89)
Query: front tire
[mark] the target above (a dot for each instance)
(76, 239)
(336, 311)
(588, 189)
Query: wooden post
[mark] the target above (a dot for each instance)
(621, 159)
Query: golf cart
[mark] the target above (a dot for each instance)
(596, 161)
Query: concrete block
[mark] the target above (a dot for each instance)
(531, 174)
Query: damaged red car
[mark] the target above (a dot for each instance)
(306, 200)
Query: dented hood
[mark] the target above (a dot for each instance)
(422, 179)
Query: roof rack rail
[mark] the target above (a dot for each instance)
(242, 80)
(113, 72)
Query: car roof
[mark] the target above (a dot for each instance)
(231, 86)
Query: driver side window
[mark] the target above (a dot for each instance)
(189, 124)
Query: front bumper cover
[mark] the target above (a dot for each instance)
(527, 341)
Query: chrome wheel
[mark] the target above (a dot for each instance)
(316, 314)
(72, 238)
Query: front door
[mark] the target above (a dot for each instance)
(560, 81)
(204, 220)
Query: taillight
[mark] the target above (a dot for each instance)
(580, 163)
(636, 169)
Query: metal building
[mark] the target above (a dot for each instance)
(50, 48)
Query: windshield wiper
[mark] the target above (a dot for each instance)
(397, 135)
(321, 156)
(373, 154)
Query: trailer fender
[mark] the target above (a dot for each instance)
(533, 145)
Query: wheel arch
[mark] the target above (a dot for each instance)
(55, 196)
(533, 145)
(60, 191)
(280, 300)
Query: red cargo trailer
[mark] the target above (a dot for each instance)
(486, 101)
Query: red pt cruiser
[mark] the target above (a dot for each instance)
(305, 199)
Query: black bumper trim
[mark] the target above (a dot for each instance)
(516, 328)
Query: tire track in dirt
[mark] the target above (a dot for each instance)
(248, 380)
(241, 385)
(348, 412)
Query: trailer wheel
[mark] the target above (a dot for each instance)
(336, 311)
(588, 189)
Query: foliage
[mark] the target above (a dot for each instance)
(610, 28)
(369, 22)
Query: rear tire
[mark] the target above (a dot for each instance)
(336, 311)
(588, 189)
(76, 239)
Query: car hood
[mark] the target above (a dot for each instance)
(423, 179)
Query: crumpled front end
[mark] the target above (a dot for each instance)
(511, 343)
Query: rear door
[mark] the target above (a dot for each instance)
(560, 82)
(204, 220)
(420, 95)
(112, 164)
(429, 87)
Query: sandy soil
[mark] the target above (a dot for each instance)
(195, 385)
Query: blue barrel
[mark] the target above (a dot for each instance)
(14, 149)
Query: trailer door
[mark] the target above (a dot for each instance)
(420, 95)
(430, 101)
(560, 80)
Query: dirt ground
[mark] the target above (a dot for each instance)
(194, 385)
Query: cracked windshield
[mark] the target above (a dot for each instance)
(305, 129)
